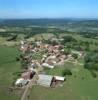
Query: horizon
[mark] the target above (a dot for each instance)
(49, 18)
(48, 9)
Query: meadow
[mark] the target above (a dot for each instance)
(8, 66)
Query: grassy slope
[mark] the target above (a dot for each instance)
(75, 88)
(8, 66)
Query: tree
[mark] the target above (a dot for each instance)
(87, 46)
(93, 73)
(75, 56)
(68, 39)
(66, 72)
(67, 51)
(91, 61)
(13, 38)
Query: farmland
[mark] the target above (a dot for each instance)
(8, 66)
(78, 37)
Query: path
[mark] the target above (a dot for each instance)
(75, 62)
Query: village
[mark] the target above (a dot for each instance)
(51, 56)
(48, 50)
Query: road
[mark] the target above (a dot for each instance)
(26, 93)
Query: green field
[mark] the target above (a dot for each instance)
(8, 66)
(80, 86)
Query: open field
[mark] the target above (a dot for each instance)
(3, 42)
(8, 66)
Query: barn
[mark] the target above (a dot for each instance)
(45, 80)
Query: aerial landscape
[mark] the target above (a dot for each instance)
(48, 50)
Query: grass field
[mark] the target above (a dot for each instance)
(8, 66)
(80, 86)
(59, 70)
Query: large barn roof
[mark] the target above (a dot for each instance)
(45, 80)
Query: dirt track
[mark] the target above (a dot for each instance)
(26, 93)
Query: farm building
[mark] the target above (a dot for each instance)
(21, 82)
(28, 75)
(59, 78)
(50, 81)
(57, 81)
(45, 80)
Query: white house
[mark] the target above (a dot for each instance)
(47, 65)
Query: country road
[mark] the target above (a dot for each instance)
(28, 88)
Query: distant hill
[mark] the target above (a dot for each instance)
(48, 22)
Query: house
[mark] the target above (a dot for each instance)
(28, 75)
(32, 69)
(22, 42)
(21, 82)
(51, 62)
(38, 43)
(52, 57)
(45, 80)
(47, 65)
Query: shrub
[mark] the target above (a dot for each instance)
(66, 72)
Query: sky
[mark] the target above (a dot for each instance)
(48, 8)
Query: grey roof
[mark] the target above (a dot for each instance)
(21, 81)
(45, 80)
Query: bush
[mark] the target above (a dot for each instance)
(67, 51)
(66, 72)
(75, 56)
(91, 61)
(93, 74)
(68, 39)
